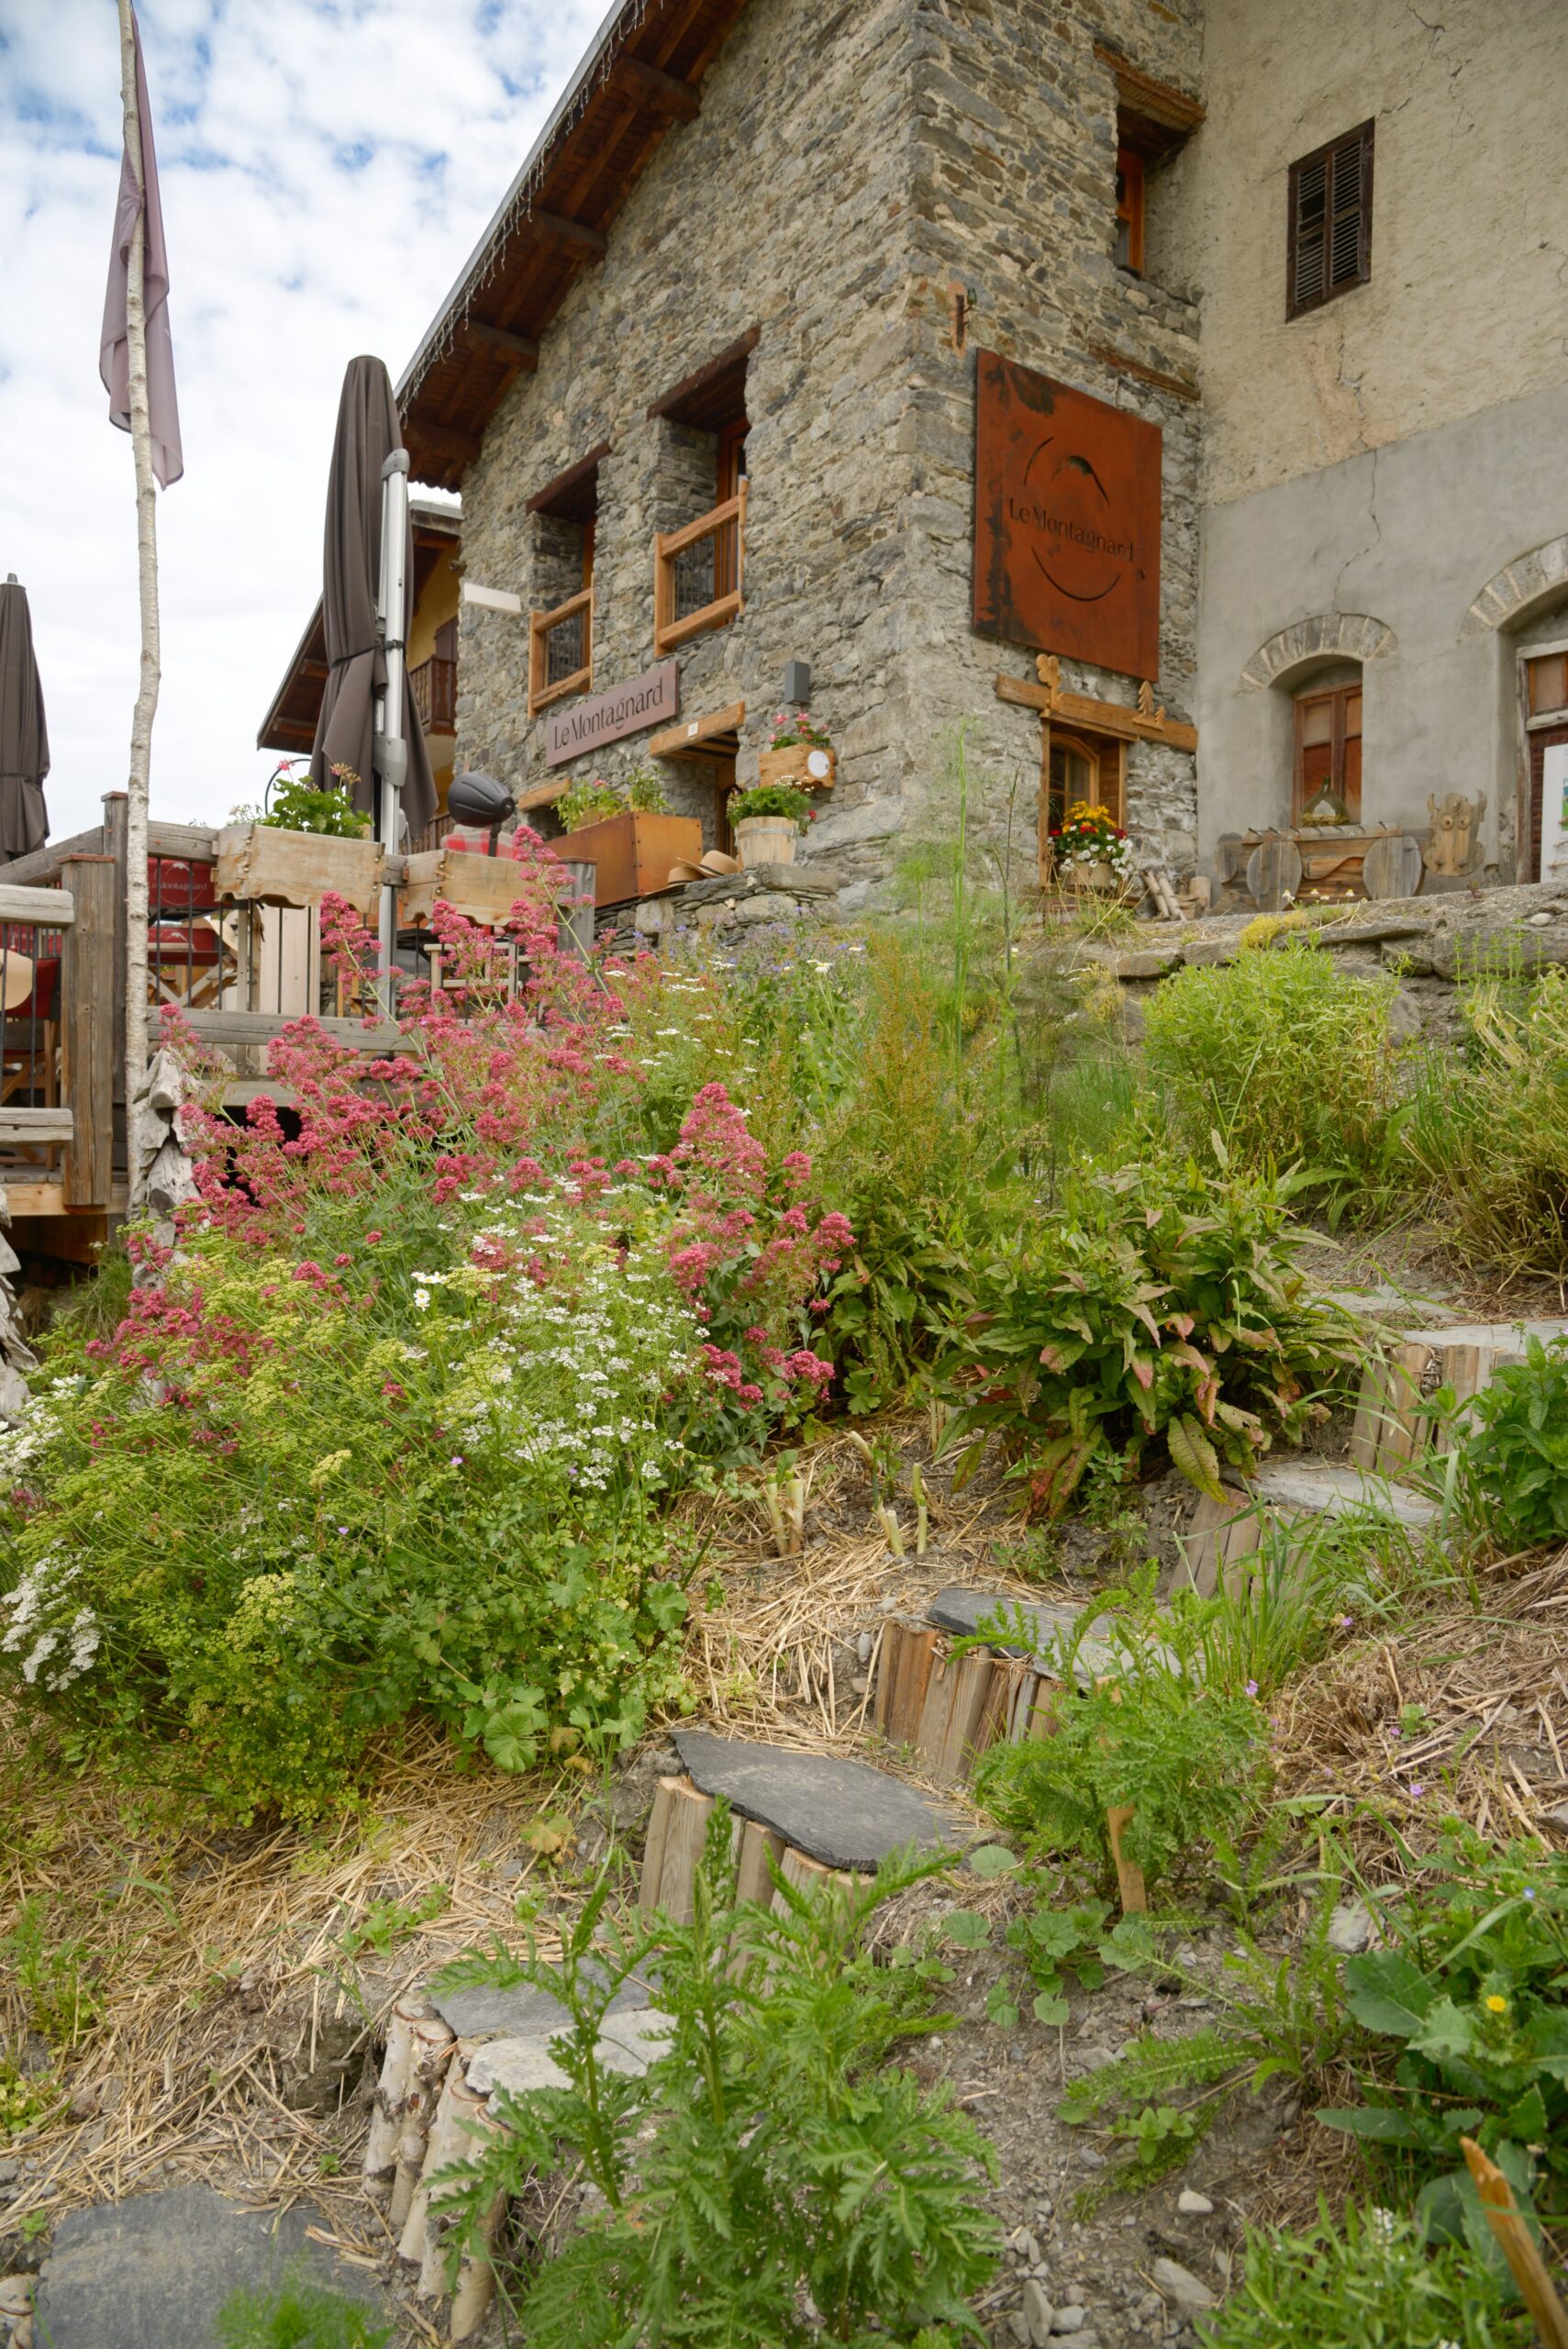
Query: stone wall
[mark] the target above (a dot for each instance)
(846, 168)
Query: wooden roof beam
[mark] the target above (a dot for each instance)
(667, 90)
(518, 350)
(446, 441)
(575, 233)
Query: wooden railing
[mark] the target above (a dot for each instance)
(57, 1038)
(561, 650)
(699, 574)
(435, 694)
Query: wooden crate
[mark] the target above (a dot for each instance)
(485, 888)
(259, 865)
(632, 853)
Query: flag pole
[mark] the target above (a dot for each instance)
(139, 773)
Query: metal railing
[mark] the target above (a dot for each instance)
(698, 573)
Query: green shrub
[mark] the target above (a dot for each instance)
(1372, 2285)
(295, 805)
(1163, 1302)
(778, 799)
(1469, 1992)
(1513, 1457)
(1286, 1059)
(771, 2156)
(1489, 1130)
(1190, 1759)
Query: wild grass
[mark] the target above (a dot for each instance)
(1280, 1058)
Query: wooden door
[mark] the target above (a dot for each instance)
(1540, 739)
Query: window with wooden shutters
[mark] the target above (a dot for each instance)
(1330, 222)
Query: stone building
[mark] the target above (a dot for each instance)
(1216, 351)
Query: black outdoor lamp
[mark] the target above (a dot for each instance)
(480, 800)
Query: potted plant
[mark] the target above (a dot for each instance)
(1091, 851)
(767, 821)
(300, 844)
(798, 753)
(627, 832)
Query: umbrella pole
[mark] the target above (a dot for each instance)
(391, 747)
(138, 779)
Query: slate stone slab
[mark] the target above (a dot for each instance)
(962, 1612)
(154, 2273)
(518, 2065)
(522, 2013)
(844, 1814)
(1334, 1491)
(1495, 1337)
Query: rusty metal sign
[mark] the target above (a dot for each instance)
(1066, 521)
(631, 708)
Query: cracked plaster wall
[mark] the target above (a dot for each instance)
(1467, 305)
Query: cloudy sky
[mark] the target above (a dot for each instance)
(327, 167)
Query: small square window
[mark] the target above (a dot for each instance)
(1330, 244)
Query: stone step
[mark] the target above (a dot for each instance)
(844, 1815)
(1286, 1493)
(154, 2272)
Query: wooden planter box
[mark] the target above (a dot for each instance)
(485, 888)
(260, 865)
(632, 853)
(801, 764)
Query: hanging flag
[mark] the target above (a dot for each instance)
(113, 360)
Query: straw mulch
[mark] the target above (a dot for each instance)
(1483, 1691)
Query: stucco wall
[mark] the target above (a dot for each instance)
(1467, 304)
(1406, 537)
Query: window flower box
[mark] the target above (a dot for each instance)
(261, 865)
(805, 766)
(483, 888)
(631, 853)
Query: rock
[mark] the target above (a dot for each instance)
(1070, 2319)
(873, 820)
(1177, 2283)
(1406, 1024)
(1151, 963)
(524, 2013)
(1540, 921)
(769, 905)
(1038, 2315)
(863, 1646)
(1379, 931)
(1193, 2205)
(844, 1814)
(1350, 1928)
(1337, 1492)
(1207, 954)
(1455, 953)
(154, 2272)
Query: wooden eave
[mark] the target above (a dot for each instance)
(1151, 116)
(289, 726)
(641, 78)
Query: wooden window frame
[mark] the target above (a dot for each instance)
(1130, 207)
(1297, 307)
(1529, 654)
(1338, 738)
(668, 631)
(580, 681)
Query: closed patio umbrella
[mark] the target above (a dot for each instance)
(24, 736)
(368, 432)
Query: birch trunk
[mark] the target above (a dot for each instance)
(138, 778)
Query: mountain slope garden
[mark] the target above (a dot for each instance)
(635, 1352)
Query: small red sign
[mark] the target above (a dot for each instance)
(1066, 521)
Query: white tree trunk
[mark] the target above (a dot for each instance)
(138, 780)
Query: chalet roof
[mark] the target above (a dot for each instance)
(641, 75)
(289, 726)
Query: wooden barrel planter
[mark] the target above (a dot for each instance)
(765, 839)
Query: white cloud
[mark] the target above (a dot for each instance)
(327, 167)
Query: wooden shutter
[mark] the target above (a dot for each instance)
(1329, 245)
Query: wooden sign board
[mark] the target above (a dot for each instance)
(579, 726)
(1066, 521)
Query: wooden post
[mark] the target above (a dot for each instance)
(1128, 1874)
(114, 845)
(1518, 2246)
(141, 767)
(87, 1029)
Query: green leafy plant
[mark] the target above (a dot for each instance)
(54, 1977)
(1369, 2284)
(1288, 1061)
(780, 799)
(1470, 1991)
(643, 789)
(1513, 1455)
(1189, 1759)
(591, 801)
(1077, 1936)
(387, 1922)
(1489, 1128)
(299, 2315)
(788, 727)
(1164, 1302)
(22, 2101)
(771, 2150)
(294, 804)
